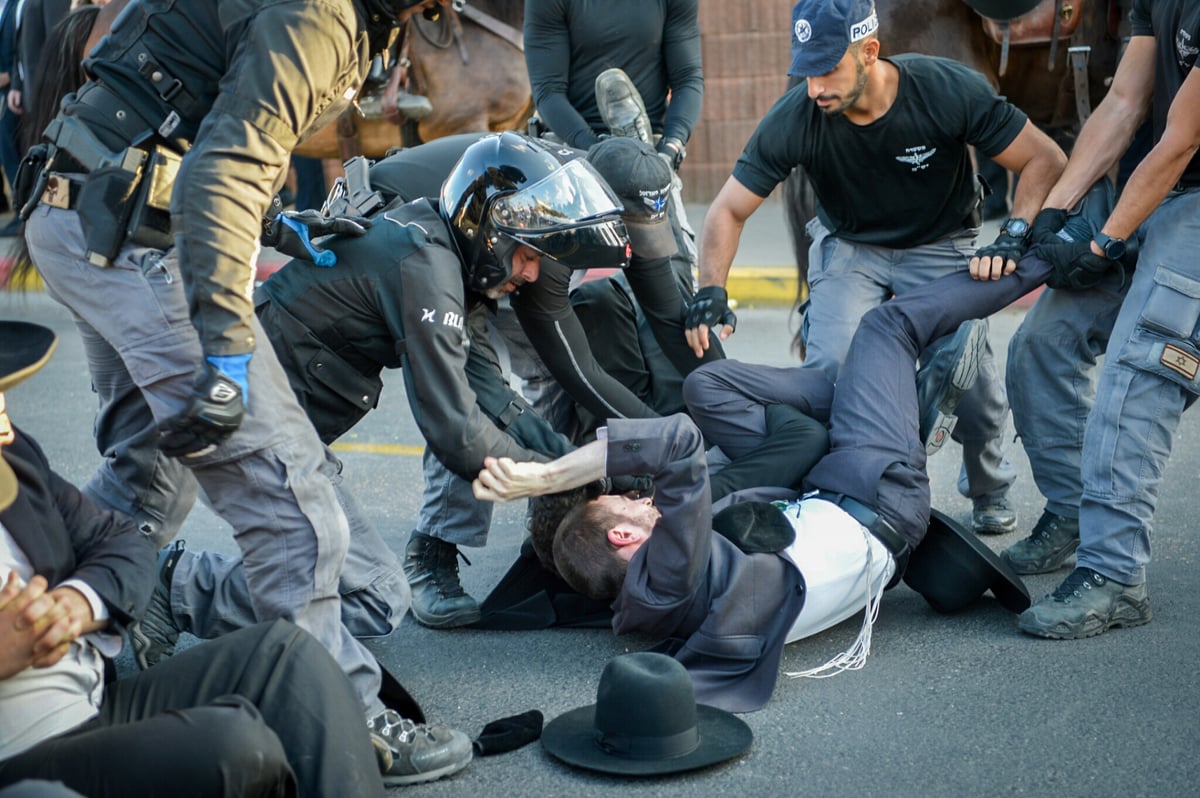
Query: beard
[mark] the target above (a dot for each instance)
(851, 97)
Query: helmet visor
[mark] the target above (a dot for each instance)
(570, 195)
(602, 244)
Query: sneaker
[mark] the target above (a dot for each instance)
(438, 599)
(944, 378)
(153, 638)
(621, 105)
(1054, 538)
(1084, 605)
(410, 753)
(993, 515)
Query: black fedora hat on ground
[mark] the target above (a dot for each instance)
(24, 348)
(952, 568)
(645, 722)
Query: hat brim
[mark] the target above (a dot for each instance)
(571, 737)
(948, 543)
(806, 66)
(27, 347)
(651, 239)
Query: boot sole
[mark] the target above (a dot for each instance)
(446, 621)
(1134, 615)
(431, 775)
(962, 379)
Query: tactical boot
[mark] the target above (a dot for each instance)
(943, 379)
(153, 638)
(438, 600)
(1084, 605)
(410, 753)
(1054, 538)
(621, 106)
(993, 515)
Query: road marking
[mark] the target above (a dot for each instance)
(379, 448)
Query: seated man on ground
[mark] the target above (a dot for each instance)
(230, 717)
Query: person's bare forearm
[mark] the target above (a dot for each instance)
(503, 479)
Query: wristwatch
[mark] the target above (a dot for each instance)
(1017, 228)
(1114, 248)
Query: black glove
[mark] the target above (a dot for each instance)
(509, 734)
(710, 306)
(214, 411)
(1076, 267)
(291, 233)
(1046, 225)
(672, 151)
(1005, 246)
(642, 486)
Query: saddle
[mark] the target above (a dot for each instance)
(1018, 23)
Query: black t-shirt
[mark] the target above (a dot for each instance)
(900, 181)
(1175, 24)
(657, 42)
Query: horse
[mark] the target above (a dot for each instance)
(471, 65)
(1037, 78)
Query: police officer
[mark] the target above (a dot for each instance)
(885, 144)
(210, 100)
(414, 293)
(1149, 376)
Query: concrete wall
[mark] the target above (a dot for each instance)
(745, 50)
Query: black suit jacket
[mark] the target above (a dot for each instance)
(725, 614)
(65, 535)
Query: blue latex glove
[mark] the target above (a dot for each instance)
(236, 368)
(292, 232)
(321, 257)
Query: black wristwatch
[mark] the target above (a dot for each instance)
(1114, 248)
(1017, 228)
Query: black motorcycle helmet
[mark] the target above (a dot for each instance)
(508, 189)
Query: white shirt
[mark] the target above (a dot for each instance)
(39, 703)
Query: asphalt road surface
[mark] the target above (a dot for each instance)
(947, 706)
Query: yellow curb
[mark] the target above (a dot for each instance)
(378, 448)
(762, 286)
(750, 286)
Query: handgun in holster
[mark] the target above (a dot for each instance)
(125, 195)
(352, 195)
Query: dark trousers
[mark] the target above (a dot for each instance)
(264, 711)
(876, 454)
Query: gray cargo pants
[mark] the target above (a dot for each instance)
(267, 480)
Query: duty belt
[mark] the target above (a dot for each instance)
(62, 191)
(874, 523)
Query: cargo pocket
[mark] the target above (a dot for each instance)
(349, 395)
(1165, 339)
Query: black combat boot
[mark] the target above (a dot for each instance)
(438, 600)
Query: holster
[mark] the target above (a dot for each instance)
(150, 218)
(30, 181)
(106, 204)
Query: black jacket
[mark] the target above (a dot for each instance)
(397, 299)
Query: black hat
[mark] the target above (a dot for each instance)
(642, 181)
(1002, 9)
(952, 568)
(25, 349)
(646, 722)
